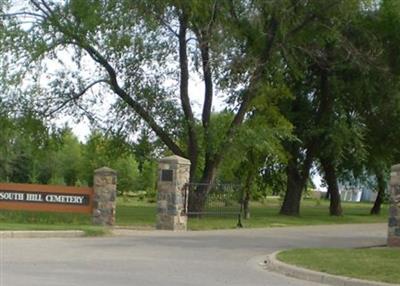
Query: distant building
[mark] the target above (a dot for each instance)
(357, 191)
(357, 194)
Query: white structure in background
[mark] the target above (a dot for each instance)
(357, 194)
(348, 194)
(351, 195)
(361, 192)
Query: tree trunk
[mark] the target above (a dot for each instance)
(294, 189)
(246, 206)
(198, 193)
(197, 199)
(376, 209)
(246, 194)
(184, 95)
(297, 177)
(335, 207)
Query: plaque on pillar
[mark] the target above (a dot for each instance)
(167, 175)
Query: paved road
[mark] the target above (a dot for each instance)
(164, 258)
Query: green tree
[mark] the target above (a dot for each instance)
(144, 149)
(128, 174)
(95, 155)
(101, 150)
(148, 177)
(140, 47)
(382, 105)
(69, 158)
(6, 141)
(29, 142)
(259, 141)
(326, 121)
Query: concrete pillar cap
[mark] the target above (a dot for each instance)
(175, 159)
(395, 168)
(105, 170)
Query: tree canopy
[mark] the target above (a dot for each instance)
(300, 81)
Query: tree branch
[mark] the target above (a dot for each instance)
(259, 72)
(144, 114)
(270, 30)
(184, 93)
(213, 17)
(74, 97)
(311, 18)
(46, 11)
(166, 25)
(97, 57)
(24, 13)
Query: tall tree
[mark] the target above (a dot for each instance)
(139, 48)
(6, 141)
(373, 107)
(386, 100)
(321, 113)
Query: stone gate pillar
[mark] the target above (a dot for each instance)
(173, 175)
(105, 194)
(394, 208)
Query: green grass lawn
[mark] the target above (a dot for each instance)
(138, 214)
(23, 220)
(378, 264)
(142, 215)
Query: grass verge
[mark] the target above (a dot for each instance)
(24, 220)
(376, 264)
(140, 214)
(137, 214)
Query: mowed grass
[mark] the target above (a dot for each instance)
(24, 220)
(138, 214)
(378, 264)
(132, 213)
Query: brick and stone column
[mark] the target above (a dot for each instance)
(394, 208)
(173, 175)
(105, 193)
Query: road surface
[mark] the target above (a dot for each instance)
(227, 257)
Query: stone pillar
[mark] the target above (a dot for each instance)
(394, 208)
(173, 175)
(105, 193)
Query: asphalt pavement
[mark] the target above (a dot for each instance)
(226, 257)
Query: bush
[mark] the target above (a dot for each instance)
(151, 195)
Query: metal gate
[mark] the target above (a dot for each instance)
(220, 200)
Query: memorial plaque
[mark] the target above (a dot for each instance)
(167, 175)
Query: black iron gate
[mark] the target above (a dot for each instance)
(219, 200)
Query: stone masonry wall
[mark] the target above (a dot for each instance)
(394, 209)
(170, 193)
(105, 193)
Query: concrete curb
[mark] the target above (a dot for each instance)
(41, 234)
(273, 264)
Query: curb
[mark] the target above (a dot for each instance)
(41, 234)
(273, 264)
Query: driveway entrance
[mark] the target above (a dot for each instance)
(228, 257)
